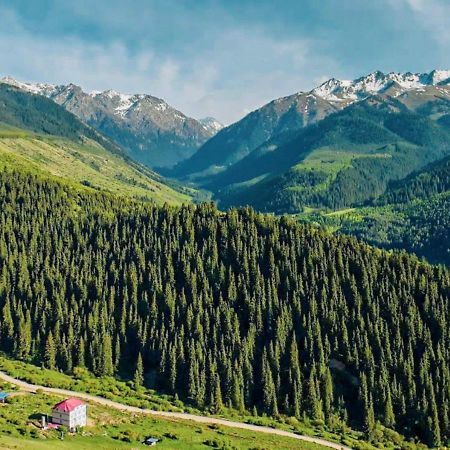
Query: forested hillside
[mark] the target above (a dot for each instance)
(38, 135)
(413, 214)
(237, 309)
(420, 226)
(433, 179)
(346, 159)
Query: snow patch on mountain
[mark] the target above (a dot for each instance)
(120, 103)
(211, 124)
(349, 91)
(34, 88)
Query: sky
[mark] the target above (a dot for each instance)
(218, 58)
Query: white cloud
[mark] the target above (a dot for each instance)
(432, 15)
(239, 70)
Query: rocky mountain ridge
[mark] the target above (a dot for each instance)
(412, 91)
(152, 131)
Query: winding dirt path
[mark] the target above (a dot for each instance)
(184, 416)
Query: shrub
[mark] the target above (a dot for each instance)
(171, 436)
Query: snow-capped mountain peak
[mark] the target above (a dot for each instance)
(119, 104)
(211, 124)
(440, 76)
(376, 82)
(34, 88)
(153, 131)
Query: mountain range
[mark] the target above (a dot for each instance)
(291, 113)
(336, 146)
(151, 131)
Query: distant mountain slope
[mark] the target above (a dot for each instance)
(40, 115)
(211, 124)
(414, 91)
(424, 184)
(413, 214)
(236, 141)
(38, 135)
(344, 160)
(147, 127)
(420, 226)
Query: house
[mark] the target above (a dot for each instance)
(70, 413)
(150, 441)
(3, 396)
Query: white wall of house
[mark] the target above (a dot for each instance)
(75, 418)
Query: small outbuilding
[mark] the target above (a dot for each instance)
(3, 396)
(71, 413)
(150, 441)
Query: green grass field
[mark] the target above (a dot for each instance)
(111, 429)
(190, 435)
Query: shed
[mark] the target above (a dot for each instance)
(151, 441)
(3, 396)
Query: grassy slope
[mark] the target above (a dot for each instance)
(85, 162)
(111, 429)
(123, 392)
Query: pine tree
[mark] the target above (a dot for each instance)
(139, 372)
(314, 404)
(80, 353)
(433, 422)
(50, 352)
(368, 412)
(389, 417)
(217, 405)
(268, 388)
(106, 356)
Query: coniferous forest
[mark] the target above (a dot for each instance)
(224, 309)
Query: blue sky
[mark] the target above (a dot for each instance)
(219, 58)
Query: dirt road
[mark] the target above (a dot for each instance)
(184, 416)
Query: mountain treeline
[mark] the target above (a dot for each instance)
(433, 179)
(224, 309)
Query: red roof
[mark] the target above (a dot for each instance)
(68, 405)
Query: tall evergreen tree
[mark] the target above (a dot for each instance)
(50, 352)
(139, 372)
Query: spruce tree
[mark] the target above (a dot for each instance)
(50, 352)
(139, 373)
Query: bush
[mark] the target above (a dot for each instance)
(172, 436)
(212, 443)
(317, 423)
(292, 421)
(81, 373)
